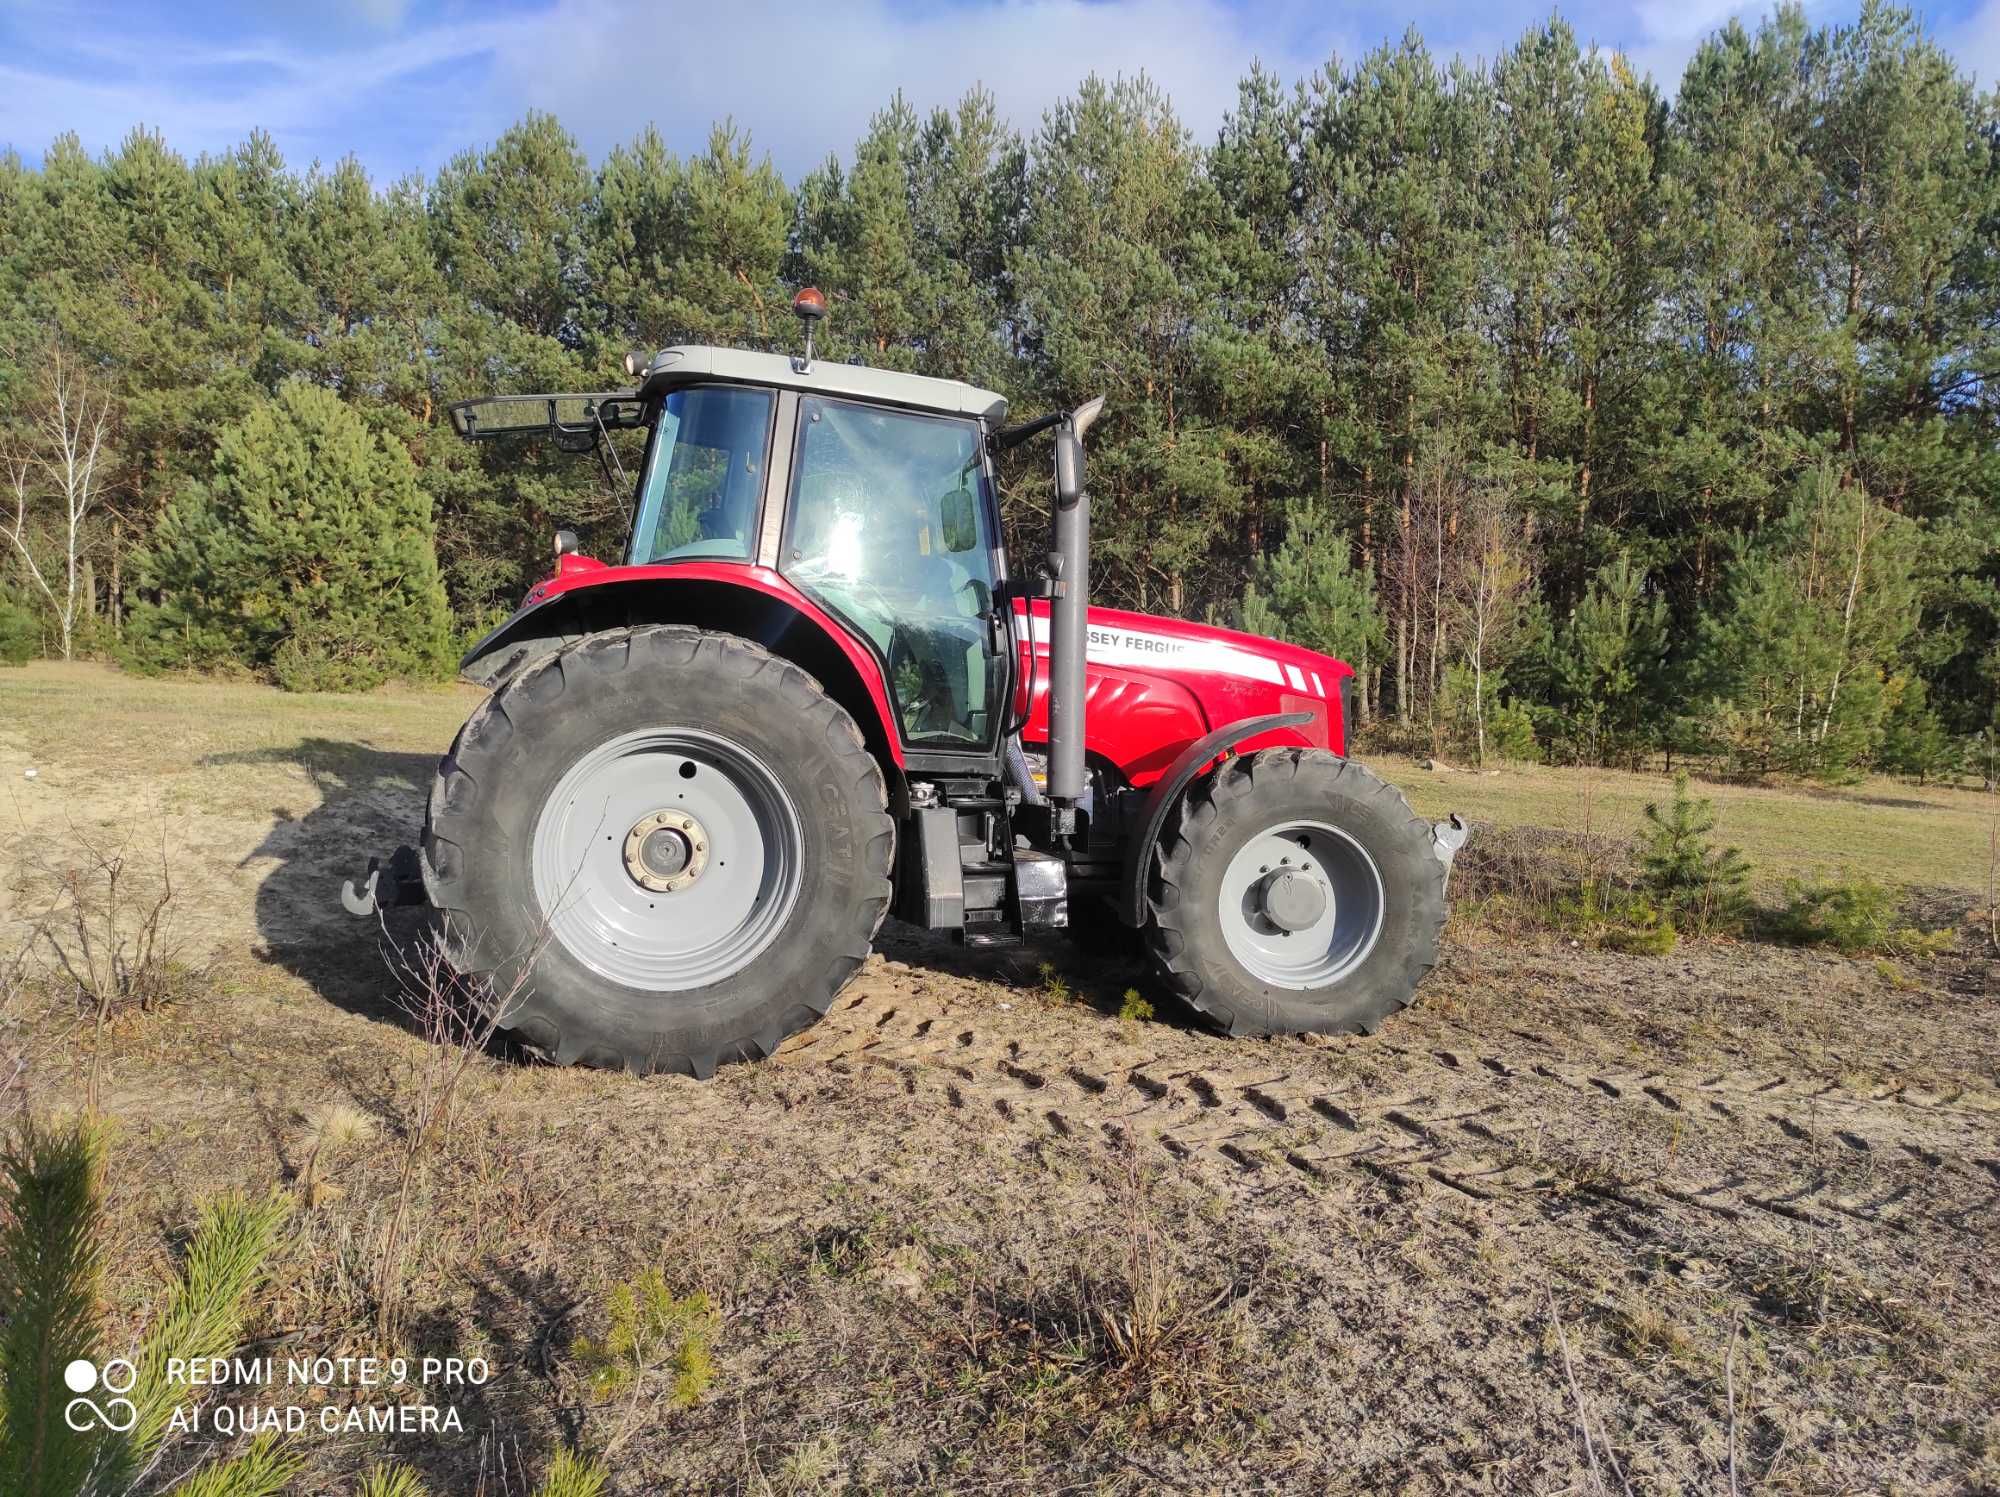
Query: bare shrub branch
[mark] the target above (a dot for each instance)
(457, 1018)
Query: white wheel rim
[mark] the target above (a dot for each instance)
(1330, 947)
(711, 918)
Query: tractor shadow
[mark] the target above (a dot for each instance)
(371, 800)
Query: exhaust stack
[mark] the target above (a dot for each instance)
(1069, 574)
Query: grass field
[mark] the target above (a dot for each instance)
(85, 720)
(1733, 1205)
(77, 723)
(1890, 830)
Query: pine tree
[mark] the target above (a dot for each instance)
(1261, 369)
(686, 251)
(1309, 592)
(1901, 256)
(1393, 159)
(1609, 287)
(1680, 865)
(1607, 668)
(507, 227)
(1541, 86)
(308, 553)
(1643, 312)
(1735, 185)
(371, 296)
(1819, 609)
(908, 242)
(1111, 278)
(1915, 742)
(860, 247)
(52, 1247)
(20, 630)
(967, 185)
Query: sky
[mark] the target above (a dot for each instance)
(405, 86)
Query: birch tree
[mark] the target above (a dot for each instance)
(60, 462)
(1819, 611)
(1490, 586)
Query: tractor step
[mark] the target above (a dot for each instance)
(988, 927)
(385, 886)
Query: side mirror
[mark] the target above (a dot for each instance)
(1069, 468)
(960, 516)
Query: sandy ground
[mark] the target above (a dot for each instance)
(1580, 1219)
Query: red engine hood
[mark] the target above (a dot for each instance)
(1154, 684)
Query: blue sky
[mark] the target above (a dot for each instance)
(403, 85)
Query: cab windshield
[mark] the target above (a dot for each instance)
(703, 474)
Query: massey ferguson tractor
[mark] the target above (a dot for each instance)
(815, 692)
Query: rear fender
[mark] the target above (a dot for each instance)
(751, 602)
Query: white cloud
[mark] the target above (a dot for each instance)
(1684, 20)
(382, 13)
(317, 101)
(804, 77)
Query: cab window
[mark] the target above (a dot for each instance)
(890, 529)
(703, 474)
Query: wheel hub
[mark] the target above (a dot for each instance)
(1293, 900)
(666, 851)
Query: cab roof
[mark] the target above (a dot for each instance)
(687, 364)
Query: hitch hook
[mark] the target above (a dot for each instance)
(1447, 837)
(405, 885)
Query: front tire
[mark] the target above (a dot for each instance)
(1295, 892)
(662, 848)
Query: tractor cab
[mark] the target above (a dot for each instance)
(869, 491)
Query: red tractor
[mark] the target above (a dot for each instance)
(814, 692)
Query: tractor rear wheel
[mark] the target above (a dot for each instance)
(1295, 892)
(664, 849)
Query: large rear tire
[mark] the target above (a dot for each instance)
(664, 849)
(1295, 892)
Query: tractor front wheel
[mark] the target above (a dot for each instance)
(1295, 892)
(662, 848)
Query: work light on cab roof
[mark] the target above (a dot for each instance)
(814, 691)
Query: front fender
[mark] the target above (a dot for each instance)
(526, 634)
(1167, 790)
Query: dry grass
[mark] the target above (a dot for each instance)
(965, 1236)
(1131, 1345)
(106, 929)
(457, 1019)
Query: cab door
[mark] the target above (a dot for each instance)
(890, 527)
